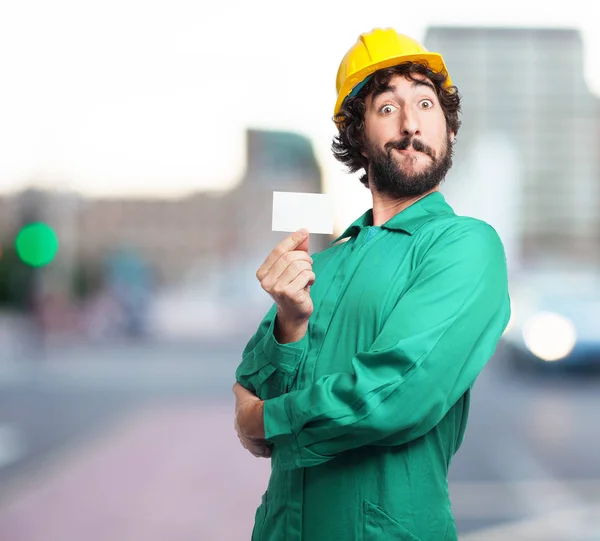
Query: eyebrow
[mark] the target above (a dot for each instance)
(391, 88)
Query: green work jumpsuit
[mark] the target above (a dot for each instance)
(365, 413)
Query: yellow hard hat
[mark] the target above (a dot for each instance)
(378, 49)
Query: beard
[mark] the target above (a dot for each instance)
(388, 178)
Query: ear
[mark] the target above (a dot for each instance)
(452, 137)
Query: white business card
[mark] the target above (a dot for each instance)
(296, 210)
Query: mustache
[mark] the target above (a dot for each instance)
(406, 142)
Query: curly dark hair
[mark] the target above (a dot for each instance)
(350, 120)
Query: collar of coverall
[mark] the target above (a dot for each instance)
(407, 221)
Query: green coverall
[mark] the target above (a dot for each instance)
(365, 413)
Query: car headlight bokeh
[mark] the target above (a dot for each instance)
(549, 336)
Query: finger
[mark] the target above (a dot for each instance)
(282, 274)
(259, 450)
(271, 277)
(290, 275)
(281, 264)
(298, 287)
(286, 245)
(254, 446)
(304, 245)
(266, 453)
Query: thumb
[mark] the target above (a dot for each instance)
(304, 245)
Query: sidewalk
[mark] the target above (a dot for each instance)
(178, 473)
(169, 473)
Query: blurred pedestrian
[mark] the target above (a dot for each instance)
(357, 382)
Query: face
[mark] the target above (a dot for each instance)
(407, 142)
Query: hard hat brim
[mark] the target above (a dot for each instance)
(433, 60)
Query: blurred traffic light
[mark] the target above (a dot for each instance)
(36, 244)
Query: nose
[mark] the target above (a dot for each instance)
(409, 122)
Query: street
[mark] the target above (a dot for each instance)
(136, 442)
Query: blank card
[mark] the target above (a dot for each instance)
(294, 210)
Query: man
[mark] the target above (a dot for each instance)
(357, 382)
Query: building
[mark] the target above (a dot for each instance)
(218, 239)
(531, 126)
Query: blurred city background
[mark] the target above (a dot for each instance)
(140, 147)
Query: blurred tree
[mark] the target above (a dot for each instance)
(15, 279)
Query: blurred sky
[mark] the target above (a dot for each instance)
(132, 97)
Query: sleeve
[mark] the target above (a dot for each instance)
(268, 368)
(439, 336)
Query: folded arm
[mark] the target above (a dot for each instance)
(436, 341)
(269, 367)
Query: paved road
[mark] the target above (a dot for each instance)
(134, 442)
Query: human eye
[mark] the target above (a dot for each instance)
(426, 104)
(387, 109)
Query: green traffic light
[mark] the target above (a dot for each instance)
(37, 244)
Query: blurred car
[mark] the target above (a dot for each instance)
(555, 321)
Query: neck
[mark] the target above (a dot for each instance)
(385, 207)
